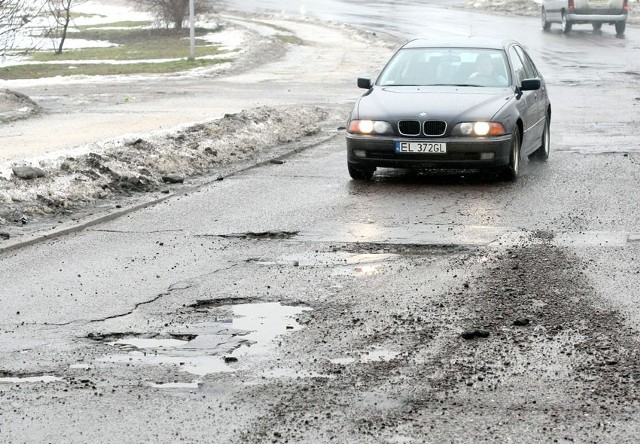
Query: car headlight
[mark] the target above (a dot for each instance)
(378, 127)
(478, 129)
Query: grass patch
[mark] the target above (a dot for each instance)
(150, 50)
(76, 14)
(102, 69)
(122, 24)
(134, 44)
(291, 39)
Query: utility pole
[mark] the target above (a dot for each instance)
(192, 26)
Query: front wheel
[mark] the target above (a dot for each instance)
(597, 26)
(512, 170)
(620, 27)
(542, 153)
(566, 24)
(360, 173)
(545, 24)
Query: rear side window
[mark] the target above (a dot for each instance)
(529, 67)
(518, 66)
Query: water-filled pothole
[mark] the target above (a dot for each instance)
(30, 379)
(378, 355)
(227, 345)
(343, 263)
(261, 235)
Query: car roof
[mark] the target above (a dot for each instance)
(459, 42)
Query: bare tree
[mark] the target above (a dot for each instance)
(173, 12)
(61, 13)
(14, 16)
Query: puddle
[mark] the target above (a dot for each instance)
(176, 385)
(80, 367)
(148, 343)
(431, 238)
(215, 347)
(367, 357)
(592, 239)
(30, 380)
(199, 365)
(294, 374)
(345, 263)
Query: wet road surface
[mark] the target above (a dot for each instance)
(288, 303)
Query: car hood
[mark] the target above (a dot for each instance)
(451, 104)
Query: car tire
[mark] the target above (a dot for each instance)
(597, 26)
(566, 24)
(620, 27)
(360, 173)
(542, 153)
(545, 24)
(512, 170)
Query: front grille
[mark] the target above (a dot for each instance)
(409, 127)
(430, 128)
(434, 128)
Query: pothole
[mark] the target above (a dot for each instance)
(261, 235)
(344, 263)
(143, 343)
(30, 379)
(591, 239)
(246, 337)
(378, 355)
(398, 249)
(212, 303)
(176, 385)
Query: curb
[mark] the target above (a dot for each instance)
(72, 227)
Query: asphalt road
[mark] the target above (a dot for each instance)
(289, 304)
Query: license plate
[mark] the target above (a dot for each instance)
(421, 147)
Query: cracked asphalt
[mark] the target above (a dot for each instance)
(287, 303)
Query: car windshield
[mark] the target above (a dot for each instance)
(446, 66)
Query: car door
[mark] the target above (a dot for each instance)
(531, 72)
(527, 102)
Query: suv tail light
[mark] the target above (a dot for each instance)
(572, 5)
(625, 5)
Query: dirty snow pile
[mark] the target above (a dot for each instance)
(14, 105)
(122, 167)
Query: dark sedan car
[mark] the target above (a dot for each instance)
(461, 103)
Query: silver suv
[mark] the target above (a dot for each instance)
(575, 12)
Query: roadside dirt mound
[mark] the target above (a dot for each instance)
(14, 105)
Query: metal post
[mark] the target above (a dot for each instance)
(192, 25)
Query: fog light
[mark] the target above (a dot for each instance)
(360, 153)
(487, 156)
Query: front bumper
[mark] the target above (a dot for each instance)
(462, 153)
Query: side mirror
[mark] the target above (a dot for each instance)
(364, 83)
(531, 85)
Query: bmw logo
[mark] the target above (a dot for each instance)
(423, 115)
